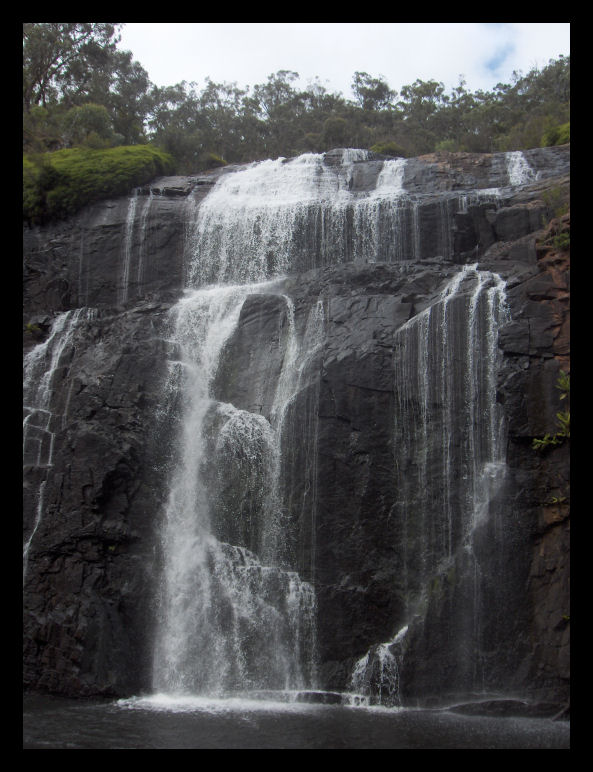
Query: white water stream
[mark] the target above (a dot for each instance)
(519, 171)
(279, 216)
(233, 619)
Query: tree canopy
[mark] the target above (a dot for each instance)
(80, 90)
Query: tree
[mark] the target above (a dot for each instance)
(276, 93)
(422, 99)
(173, 124)
(78, 88)
(281, 110)
(220, 106)
(128, 99)
(336, 132)
(88, 125)
(372, 93)
(67, 66)
(59, 55)
(42, 129)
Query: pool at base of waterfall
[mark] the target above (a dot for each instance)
(272, 721)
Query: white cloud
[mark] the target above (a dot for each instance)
(247, 53)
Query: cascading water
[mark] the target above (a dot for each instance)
(450, 464)
(232, 618)
(375, 676)
(282, 216)
(519, 171)
(234, 614)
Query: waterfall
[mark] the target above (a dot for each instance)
(449, 466)
(234, 613)
(231, 618)
(40, 420)
(272, 218)
(281, 216)
(375, 676)
(291, 474)
(518, 169)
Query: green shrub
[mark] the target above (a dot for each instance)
(56, 185)
(557, 201)
(562, 241)
(33, 330)
(388, 148)
(210, 161)
(556, 135)
(447, 145)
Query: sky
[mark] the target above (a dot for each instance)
(484, 54)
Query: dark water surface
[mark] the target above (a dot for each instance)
(249, 724)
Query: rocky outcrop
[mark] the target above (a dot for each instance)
(98, 440)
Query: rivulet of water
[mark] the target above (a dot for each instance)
(123, 290)
(41, 420)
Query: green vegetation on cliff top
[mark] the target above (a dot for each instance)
(58, 184)
(92, 119)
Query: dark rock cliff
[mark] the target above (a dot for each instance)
(98, 449)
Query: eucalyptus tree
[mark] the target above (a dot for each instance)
(173, 123)
(70, 65)
(63, 56)
(372, 94)
(281, 108)
(220, 108)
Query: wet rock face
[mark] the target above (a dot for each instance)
(88, 576)
(81, 262)
(90, 568)
(98, 451)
